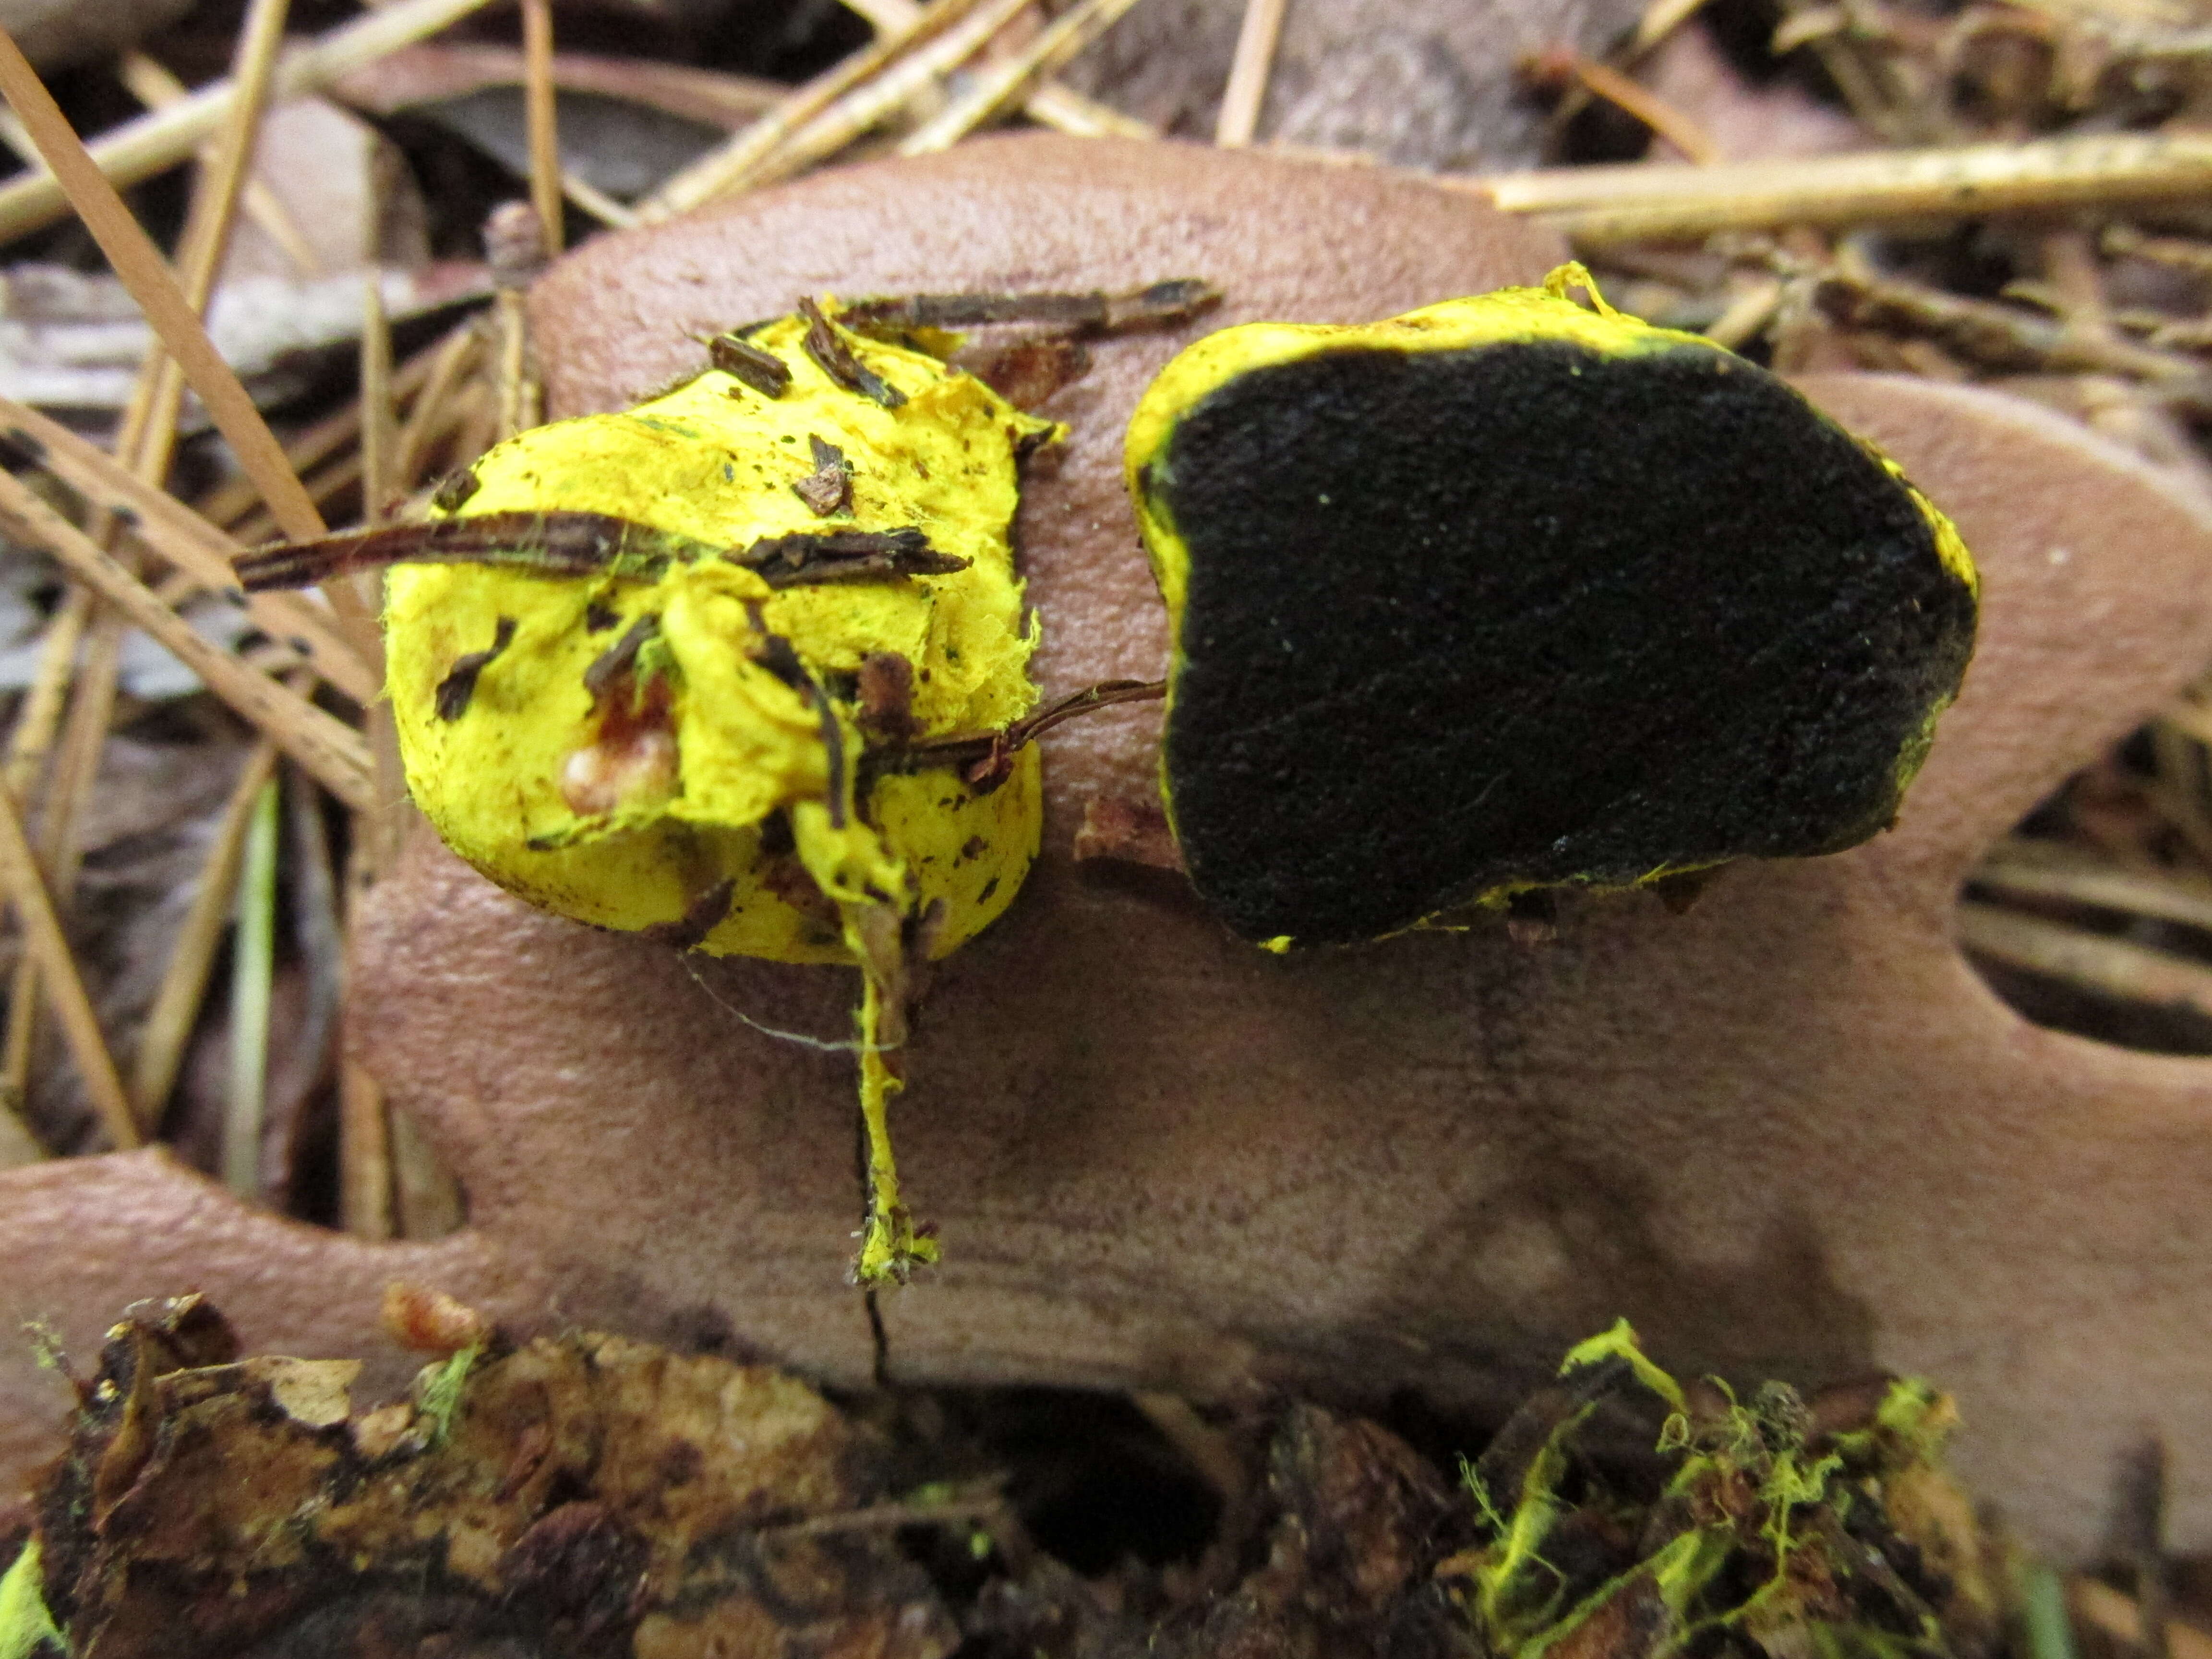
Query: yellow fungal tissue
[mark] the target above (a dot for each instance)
(683, 743)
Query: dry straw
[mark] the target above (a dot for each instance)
(1247, 92)
(333, 752)
(48, 946)
(1002, 87)
(1659, 203)
(183, 539)
(184, 979)
(163, 137)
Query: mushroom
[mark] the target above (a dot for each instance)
(1789, 1133)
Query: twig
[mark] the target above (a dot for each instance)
(981, 755)
(1003, 86)
(252, 959)
(191, 544)
(1246, 93)
(1989, 332)
(184, 979)
(164, 137)
(1648, 201)
(333, 751)
(44, 942)
(539, 112)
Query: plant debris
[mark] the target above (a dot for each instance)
(579, 1495)
(2092, 918)
(1770, 1522)
(589, 1494)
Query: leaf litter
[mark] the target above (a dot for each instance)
(1342, 1537)
(593, 1494)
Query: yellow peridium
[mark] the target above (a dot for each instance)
(693, 781)
(1298, 846)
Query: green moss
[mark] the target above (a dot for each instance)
(27, 1629)
(1757, 1530)
(441, 1396)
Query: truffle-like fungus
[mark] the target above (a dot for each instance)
(666, 733)
(1507, 593)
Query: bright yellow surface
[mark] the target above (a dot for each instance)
(714, 461)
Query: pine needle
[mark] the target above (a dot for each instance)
(731, 165)
(539, 112)
(1052, 105)
(26, 890)
(146, 275)
(152, 85)
(333, 751)
(377, 478)
(1000, 88)
(1659, 201)
(449, 363)
(184, 979)
(2104, 967)
(40, 719)
(164, 137)
(252, 968)
(1247, 92)
(188, 543)
(232, 502)
(145, 444)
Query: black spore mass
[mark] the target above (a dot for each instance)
(1528, 613)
